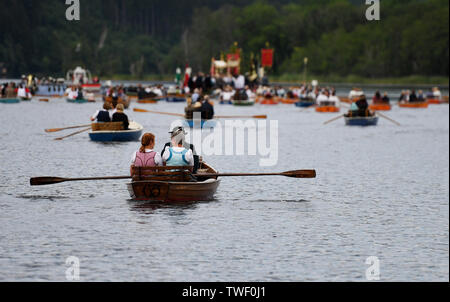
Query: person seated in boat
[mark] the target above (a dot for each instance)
(377, 99)
(386, 99)
(360, 108)
(437, 95)
(403, 97)
(11, 91)
(421, 96)
(227, 94)
(22, 92)
(413, 97)
(334, 100)
(119, 116)
(323, 99)
(249, 92)
(80, 93)
(146, 156)
(177, 154)
(103, 116)
(207, 109)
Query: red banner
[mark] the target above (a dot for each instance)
(267, 57)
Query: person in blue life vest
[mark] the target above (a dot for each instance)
(178, 152)
(103, 116)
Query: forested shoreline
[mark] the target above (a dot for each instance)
(142, 37)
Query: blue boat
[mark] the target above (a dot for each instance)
(56, 90)
(226, 103)
(76, 101)
(305, 103)
(133, 134)
(205, 124)
(175, 99)
(361, 121)
(9, 101)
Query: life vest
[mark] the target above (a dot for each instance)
(103, 117)
(145, 159)
(177, 159)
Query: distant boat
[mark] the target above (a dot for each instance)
(113, 132)
(9, 100)
(328, 109)
(380, 107)
(305, 103)
(79, 101)
(413, 105)
(361, 121)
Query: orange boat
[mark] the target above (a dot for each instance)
(413, 105)
(328, 109)
(434, 101)
(268, 101)
(380, 107)
(288, 101)
(147, 101)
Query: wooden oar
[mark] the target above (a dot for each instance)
(49, 180)
(388, 118)
(293, 174)
(73, 134)
(334, 119)
(67, 128)
(157, 112)
(182, 115)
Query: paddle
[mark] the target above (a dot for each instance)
(334, 119)
(67, 128)
(182, 115)
(73, 134)
(48, 180)
(388, 118)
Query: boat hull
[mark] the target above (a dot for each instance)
(328, 109)
(361, 121)
(134, 134)
(175, 99)
(434, 102)
(305, 104)
(173, 192)
(380, 107)
(268, 102)
(9, 101)
(421, 105)
(75, 101)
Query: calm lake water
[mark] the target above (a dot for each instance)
(381, 191)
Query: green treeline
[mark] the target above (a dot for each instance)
(141, 37)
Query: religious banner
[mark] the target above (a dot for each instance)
(267, 57)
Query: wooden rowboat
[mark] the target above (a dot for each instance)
(9, 100)
(413, 105)
(328, 109)
(172, 185)
(113, 132)
(268, 101)
(361, 121)
(147, 101)
(288, 101)
(380, 107)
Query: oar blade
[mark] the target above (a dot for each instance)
(140, 110)
(43, 181)
(262, 117)
(301, 174)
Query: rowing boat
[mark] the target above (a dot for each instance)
(172, 184)
(380, 107)
(305, 103)
(9, 101)
(328, 109)
(147, 101)
(288, 101)
(81, 101)
(434, 102)
(177, 98)
(249, 102)
(413, 105)
(361, 121)
(268, 101)
(113, 132)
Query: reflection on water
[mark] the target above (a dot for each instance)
(381, 191)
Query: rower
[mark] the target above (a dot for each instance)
(207, 108)
(119, 116)
(146, 157)
(103, 116)
(181, 134)
(177, 155)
